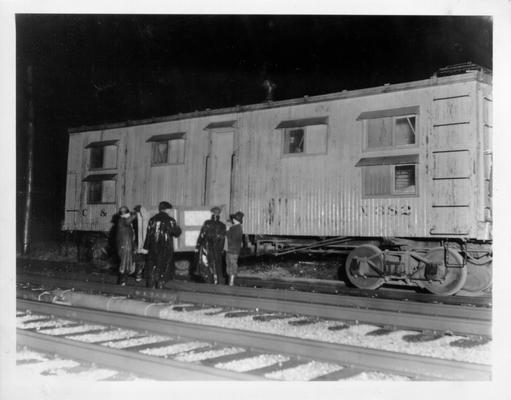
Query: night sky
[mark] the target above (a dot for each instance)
(93, 69)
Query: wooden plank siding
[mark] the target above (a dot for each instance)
(312, 194)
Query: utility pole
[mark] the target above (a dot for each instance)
(30, 161)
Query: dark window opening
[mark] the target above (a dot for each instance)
(102, 156)
(95, 190)
(160, 152)
(294, 141)
(96, 157)
(101, 192)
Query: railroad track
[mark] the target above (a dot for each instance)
(463, 320)
(285, 354)
(321, 286)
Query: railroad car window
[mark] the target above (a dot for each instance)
(294, 141)
(389, 180)
(101, 192)
(103, 157)
(96, 157)
(376, 180)
(177, 151)
(160, 152)
(168, 151)
(316, 139)
(404, 131)
(379, 133)
(389, 132)
(94, 195)
(404, 179)
(305, 140)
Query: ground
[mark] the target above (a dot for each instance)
(292, 266)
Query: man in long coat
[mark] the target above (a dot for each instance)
(159, 243)
(234, 243)
(124, 240)
(212, 240)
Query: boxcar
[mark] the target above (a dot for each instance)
(398, 177)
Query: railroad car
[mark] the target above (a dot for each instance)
(396, 177)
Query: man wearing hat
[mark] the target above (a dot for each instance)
(159, 243)
(124, 240)
(212, 237)
(234, 242)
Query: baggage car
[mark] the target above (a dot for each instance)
(397, 177)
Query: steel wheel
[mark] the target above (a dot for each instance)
(454, 279)
(359, 270)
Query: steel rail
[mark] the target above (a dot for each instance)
(360, 357)
(298, 284)
(124, 360)
(408, 315)
(339, 288)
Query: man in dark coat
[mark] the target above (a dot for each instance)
(234, 242)
(212, 239)
(124, 240)
(159, 243)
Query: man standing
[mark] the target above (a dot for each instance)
(140, 228)
(234, 242)
(124, 239)
(159, 243)
(212, 237)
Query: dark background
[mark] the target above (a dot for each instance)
(93, 69)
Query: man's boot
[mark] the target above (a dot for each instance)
(231, 280)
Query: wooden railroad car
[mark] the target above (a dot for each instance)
(398, 177)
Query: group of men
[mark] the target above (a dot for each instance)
(156, 258)
(211, 243)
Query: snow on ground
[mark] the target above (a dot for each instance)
(38, 366)
(51, 323)
(104, 336)
(251, 363)
(376, 376)
(354, 335)
(72, 329)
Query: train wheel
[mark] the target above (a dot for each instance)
(454, 278)
(358, 267)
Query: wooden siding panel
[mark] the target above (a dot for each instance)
(458, 136)
(452, 164)
(451, 192)
(167, 184)
(451, 221)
